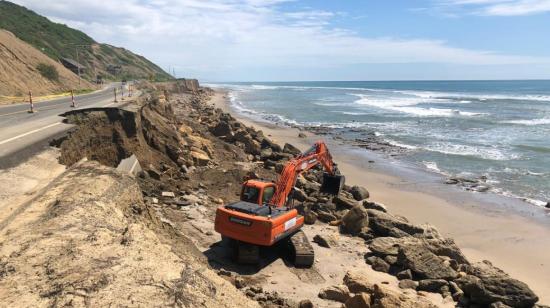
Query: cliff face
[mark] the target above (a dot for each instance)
(20, 72)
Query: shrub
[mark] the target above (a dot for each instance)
(48, 71)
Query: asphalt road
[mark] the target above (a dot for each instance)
(22, 133)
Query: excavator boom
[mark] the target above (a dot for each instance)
(317, 154)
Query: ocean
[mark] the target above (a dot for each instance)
(498, 131)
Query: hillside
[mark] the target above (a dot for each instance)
(20, 70)
(60, 41)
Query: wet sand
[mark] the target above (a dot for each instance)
(483, 225)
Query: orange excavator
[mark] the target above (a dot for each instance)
(265, 214)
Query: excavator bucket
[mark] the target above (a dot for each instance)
(332, 184)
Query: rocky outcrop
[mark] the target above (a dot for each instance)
(485, 284)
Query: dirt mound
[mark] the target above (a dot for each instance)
(19, 71)
(91, 241)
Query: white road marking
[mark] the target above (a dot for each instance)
(133, 166)
(29, 133)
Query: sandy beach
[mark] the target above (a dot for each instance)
(481, 224)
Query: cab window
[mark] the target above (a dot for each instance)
(268, 194)
(250, 194)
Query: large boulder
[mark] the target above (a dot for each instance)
(383, 297)
(382, 224)
(339, 293)
(485, 284)
(359, 193)
(357, 283)
(384, 246)
(424, 263)
(221, 129)
(361, 300)
(290, 149)
(355, 220)
(343, 202)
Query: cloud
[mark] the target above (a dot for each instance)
(228, 39)
(505, 7)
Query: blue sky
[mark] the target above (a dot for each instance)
(256, 40)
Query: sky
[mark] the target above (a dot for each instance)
(292, 40)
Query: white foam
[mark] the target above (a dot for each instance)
(408, 105)
(401, 145)
(543, 121)
(467, 150)
(430, 165)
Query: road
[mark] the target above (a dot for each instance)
(22, 133)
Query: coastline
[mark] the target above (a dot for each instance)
(482, 225)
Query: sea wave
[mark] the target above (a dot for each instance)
(468, 150)
(468, 97)
(408, 105)
(532, 122)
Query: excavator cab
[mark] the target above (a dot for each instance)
(258, 192)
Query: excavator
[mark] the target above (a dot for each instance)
(265, 214)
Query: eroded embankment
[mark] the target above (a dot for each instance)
(91, 241)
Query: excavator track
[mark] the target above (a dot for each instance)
(247, 253)
(301, 250)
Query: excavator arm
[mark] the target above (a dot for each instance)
(317, 154)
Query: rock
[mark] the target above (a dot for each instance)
(406, 274)
(325, 216)
(358, 283)
(299, 195)
(424, 263)
(153, 172)
(290, 149)
(321, 241)
(239, 282)
(499, 305)
(305, 303)
(339, 293)
(266, 153)
(301, 135)
(391, 260)
(386, 298)
(200, 158)
(310, 217)
(375, 206)
(168, 194)
(252, 146)
(355, 219)
(408, 284)
(359, 193)
(380, 265)
(382, 223)
(385, 246)
(451, 181)
(485, 284)
(221, 129)
(456, 291)
(431, 285)
(361, 300)
(344, 203)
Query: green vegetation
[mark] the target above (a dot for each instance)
(48, 71)
(60, 41)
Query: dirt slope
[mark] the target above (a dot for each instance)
(91, 241)
(19, 73)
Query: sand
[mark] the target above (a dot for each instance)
(512, 241)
